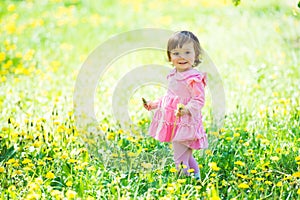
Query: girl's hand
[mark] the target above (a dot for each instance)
(146, 105)
(181, 110)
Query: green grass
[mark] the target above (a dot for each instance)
(43, 155)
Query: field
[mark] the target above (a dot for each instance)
(45, 154)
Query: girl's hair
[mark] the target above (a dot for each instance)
(181, 37)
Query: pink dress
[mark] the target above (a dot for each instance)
(186, 88)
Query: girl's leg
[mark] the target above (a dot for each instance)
(182, 155)
(194, 165)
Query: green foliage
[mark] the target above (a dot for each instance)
(44, 155)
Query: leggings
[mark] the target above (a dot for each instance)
(184, 155)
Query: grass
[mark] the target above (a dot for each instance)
(44, 155)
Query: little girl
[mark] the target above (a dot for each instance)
(178, 116)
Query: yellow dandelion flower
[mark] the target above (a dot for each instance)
(278, 150)
(274, 158)
(181, 180)
(243, 185)
(183, 166)
(91, 168)
(240, 163)
(29, 55)
(39, 180)
(131, 154)
(208, 152)
(297, 158)
(69, 183)
(268, 182)
(213, 166)
(71, 160)
(50, 175)
(64, 156)
(259, 179)
(170, 189)
(11, 161)
(296, 175)
(242, 176)
(146, 165)
(298, 191)
(253, 171)
(26, 161)
(2, 56)
(190, 170)
(71, 194)
(11, 7)
(56, 193)
(279, 184)
(2, 169)
(173, 170)
(236, 135)
(198, 187)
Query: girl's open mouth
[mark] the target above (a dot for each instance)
(182, 63)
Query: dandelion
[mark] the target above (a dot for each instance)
(131, 154)
(2, 169)
(213, 166)
(198, 187)
(246, 144)
(236, 135)
(296, 175)
(243, 185)
(2, 56)
(208, 152)
(71, 194)
(146, 165)
(240, 163)
(173, 170)
(182, 166)
(91, 168)
(279, 184)
(50, 175)
(71, 160)
(170, 189)
(298, 191)
(181, 180)
(241, 176)
(11, 161)
(190, 170)
(274, 158)
(69, 183)
(26, 161)
(268, 182)
(297, 158)
(11, 7)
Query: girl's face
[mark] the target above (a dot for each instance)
(183, 58)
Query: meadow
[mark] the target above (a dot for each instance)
(45, 155)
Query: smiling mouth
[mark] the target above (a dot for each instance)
(182, 63)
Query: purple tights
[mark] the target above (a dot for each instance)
(184, 155)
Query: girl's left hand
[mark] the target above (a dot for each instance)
(182, 111)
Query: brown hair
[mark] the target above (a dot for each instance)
(181, 37)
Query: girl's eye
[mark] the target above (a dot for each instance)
(175, 53)
(187, 52)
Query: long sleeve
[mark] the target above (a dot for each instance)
(154, 104)
(197, 86)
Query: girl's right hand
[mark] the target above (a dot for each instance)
(146, 105)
